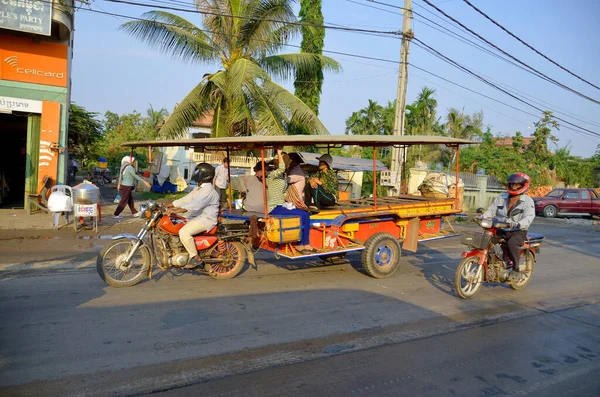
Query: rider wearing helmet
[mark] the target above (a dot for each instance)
(201, 207)
(519, 211)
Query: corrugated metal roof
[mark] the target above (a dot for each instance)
(261, 141)
(344, 163)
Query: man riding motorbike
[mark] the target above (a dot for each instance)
(201, 207)
(519, 211)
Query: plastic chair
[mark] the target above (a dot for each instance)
(67, 190)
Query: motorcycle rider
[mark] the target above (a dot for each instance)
(519, 211)
(201, 207)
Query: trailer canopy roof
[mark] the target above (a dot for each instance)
(262, 141)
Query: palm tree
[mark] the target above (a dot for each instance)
(244, 36)
(156, 116)
(463, 126)
(367, 121)
(427, 103)
(372, 116)
(388, 116)
(355, 124)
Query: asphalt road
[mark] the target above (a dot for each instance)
(64, 332)
(546, 354)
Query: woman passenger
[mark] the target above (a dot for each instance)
(277, 182)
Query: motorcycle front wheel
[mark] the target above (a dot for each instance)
(234, 258)
(468, 278)
(113, 269)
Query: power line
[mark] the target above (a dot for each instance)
(477, 76)
(381, 60)
(488, 97)
(473, 91)
(376, 8)
(476, 45)
(511, 56)
(468, 98)
(448, 32)
(342, 28)
(527, 45)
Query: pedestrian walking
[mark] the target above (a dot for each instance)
(126, 185)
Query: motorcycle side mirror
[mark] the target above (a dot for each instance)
(480, 210)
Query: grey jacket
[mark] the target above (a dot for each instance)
(523, 212)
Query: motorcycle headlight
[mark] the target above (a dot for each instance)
(486, 223)
(146, 210)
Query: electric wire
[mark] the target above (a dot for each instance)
(482, 79)
(535, 71)
(444, 30)
(528, 45)
(541, 75)
(397, 62)
(476, 45)
(201, 12)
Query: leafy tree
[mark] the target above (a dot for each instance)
(498, 161)
(84, 131)
(242, 95)
(518, 142)
(308, 86)
(119, 129)
(537, 152)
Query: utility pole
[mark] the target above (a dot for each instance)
(398, 153)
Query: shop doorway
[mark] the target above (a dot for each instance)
(13, 161)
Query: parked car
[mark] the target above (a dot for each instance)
(568, 201)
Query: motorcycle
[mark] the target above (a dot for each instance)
(126, 260)
(487, 259)
(98, 177)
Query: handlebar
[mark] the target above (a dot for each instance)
(492, 223)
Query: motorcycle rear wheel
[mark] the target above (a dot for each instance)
(111, 258)
(468, 278)
(527, 273)
(234, 258)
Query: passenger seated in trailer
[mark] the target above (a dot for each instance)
(296, 182)
(322, 187)
(252, 190)
(277, 182)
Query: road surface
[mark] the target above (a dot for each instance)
(64, 332)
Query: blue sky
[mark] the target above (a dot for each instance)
(112, 71)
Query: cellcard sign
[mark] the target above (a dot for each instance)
(26, 16)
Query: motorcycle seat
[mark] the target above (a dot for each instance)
(534, 237)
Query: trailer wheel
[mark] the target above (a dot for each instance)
(381, 256)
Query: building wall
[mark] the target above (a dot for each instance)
(35, 69)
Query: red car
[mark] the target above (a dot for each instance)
(568, 201)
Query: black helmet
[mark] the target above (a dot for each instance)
(204, 173)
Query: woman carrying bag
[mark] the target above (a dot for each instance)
(126, 185)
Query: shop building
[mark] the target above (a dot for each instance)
(36, 42)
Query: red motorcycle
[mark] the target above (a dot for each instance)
(487, 259)
(128, 259)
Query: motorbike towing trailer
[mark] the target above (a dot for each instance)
(380, 227)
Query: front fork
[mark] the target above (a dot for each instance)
(482, 259)
(139, 241)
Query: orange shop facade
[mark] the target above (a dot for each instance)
(34, 105)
